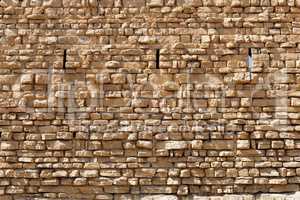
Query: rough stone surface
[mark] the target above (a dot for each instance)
(149, 99)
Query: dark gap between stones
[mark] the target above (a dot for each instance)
(65, 59)
(157, 58)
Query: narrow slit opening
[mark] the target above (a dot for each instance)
(65, 59)
(250, 62)
(157, 58)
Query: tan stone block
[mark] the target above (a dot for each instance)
(52, 3)
(59, 145)
(169, 145)
(106, 3)
(89, 173)
(115, 136)
(158, 189)
(219, 144)
(27, 79)
(41, 78)
(112, 145)
(197, 144)
(116, 102)
(104, 197)
(261, 181)
(9, 145)
(156, 3)
(147, 40)
(102, 181)
(278, 181)
(8, 79)
(284, 188)
(145, 172)
(170, 86)
(110, 173)
(161, 197)
(14, 190)
(269, 172)
(134, 3)
(116, 189)
(243, 180)
(112, 64)
(243, 144)
(118, 78)
(277, 144)
(144, 144)
(197, 172)
(60, 173)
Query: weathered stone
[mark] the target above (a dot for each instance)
(154, 3)
(170, 86)
(219, 144)
(112, 64)
(161, 197)
(145, 172)
(60, 173)
(59, 145)
(169, 145)
(197, 144)
(243, 144)
(52, 3)
(147, 40)
(134, 3)
(89, 173)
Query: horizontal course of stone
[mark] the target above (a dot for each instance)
(149, 99)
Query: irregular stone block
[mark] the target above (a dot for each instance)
(169, 145)
(52, 3)
(145, 172)
(147, 40)
(156, 3)
(134, 3)
(59, 145)
(9, 145)
(106, 3)
(219, 144)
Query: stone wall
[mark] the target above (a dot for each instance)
(126, 99)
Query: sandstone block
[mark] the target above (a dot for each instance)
(112, 145)
(118, 78)
(147, 40)
(59, 145)
(60, 173)
(144, 144)
(145, 172)
(106, 3)
(110, 173)
(243, 144)
(169, 145)
(197, 144)
(116, 189)
(156, 3)
(89, 173)
(157, 189)
(134, 3)
(52, 3)
(112, 64)
(219, 144)
(116, 102)
(170, 86)
(9, 145)
(160, 197)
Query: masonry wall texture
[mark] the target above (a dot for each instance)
(149, 99)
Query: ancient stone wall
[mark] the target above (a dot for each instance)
(126, 99)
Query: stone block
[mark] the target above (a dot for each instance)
(172, 145)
